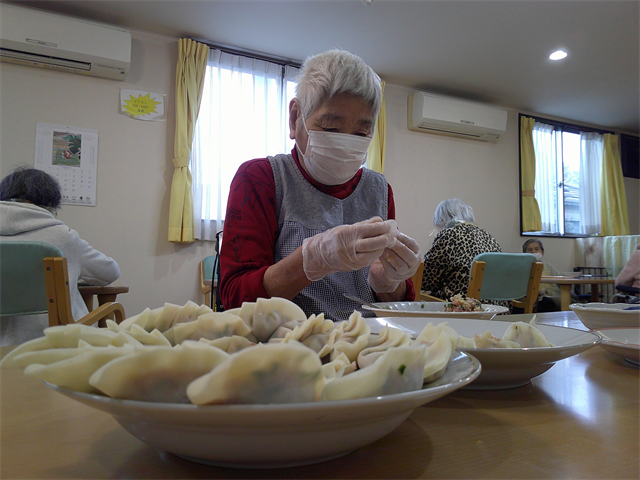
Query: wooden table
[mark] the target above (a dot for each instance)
(107, 293)
(577, 420)
(565, 287)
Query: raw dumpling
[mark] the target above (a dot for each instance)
(49, 356)
(211, 326)
(486, 340)
(67, 336)
(270, 313)
(231, 344)
(338, 367)
(526, 335)
(353, 337)
(438, 355)
(431, 332)
(398, 370)
(73, 373)
(265, 373)
(315, 333)
(157, 374)
(378, 344)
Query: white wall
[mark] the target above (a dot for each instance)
(135, 169)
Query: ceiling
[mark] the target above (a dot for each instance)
(489, 51)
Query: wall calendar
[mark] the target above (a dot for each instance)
(69, 154)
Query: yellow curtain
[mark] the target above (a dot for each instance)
(614, 215)
(531, 221)
(375, 156)
(192, 63)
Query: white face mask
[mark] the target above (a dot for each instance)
(334, 158)
(538, 256)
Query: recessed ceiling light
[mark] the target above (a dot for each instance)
(558, 55)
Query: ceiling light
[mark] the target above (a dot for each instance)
(558, 55)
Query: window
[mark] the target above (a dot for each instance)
(243, 115)
(568, 166)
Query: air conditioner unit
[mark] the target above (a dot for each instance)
(41, 39)
(442, 115)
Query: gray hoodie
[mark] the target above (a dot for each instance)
(25, 221)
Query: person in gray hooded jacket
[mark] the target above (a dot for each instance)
(29, 199)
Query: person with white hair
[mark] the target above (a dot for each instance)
(313, 224)
(447, 264)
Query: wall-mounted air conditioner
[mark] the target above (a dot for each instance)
(442, 115)
(41, 39)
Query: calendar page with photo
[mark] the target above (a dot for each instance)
(70, 154)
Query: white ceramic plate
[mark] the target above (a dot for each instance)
(503, 367)
(624, 342)
(596, 316)
(267, 436)
(429, 309)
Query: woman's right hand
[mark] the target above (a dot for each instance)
(346, 247)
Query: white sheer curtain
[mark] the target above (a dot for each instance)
(591, 155)
(243, 115)
(546, 184)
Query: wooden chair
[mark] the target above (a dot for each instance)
(206, 275)
(56, 275)
(503, 276)
(506, 276)
(34, 279)
(417, 279)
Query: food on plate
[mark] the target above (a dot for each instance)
(397, 370)
(460, 303)
(263, 352)
(265, 373)
(157, 374)
(526, 335)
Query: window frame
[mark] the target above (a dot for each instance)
(565, 127)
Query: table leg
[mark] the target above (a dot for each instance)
(595, 292)
(565, 296)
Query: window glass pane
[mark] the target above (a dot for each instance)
(570, 172)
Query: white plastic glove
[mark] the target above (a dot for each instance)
(346, 247)
(396, 264)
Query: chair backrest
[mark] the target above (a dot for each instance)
(417, 279)
(23, 289)
(504, 276)
(206, 273)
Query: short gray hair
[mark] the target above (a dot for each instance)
(333, 72)
(452, 211)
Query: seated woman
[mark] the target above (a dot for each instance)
(548, 293)
(447, 264)
(29, 199)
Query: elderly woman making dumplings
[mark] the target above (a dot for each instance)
(313, 225)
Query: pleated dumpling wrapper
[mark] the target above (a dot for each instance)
(262, 374)
(526, 334)
(74, 373)
(158, 374)
(269, 314)
(398, 370)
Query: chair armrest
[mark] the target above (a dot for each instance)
(99, 314)
(429, 298)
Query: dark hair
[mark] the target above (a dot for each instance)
(529, 242)
(31, 185)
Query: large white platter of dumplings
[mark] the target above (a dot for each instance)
(276, 435)
(507, 366)
(255, 387)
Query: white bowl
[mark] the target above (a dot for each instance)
(429, 309)
(624, 342)
(503, 367)
(276, 435)
(596, 316)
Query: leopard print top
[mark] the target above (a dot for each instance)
(447, 264)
